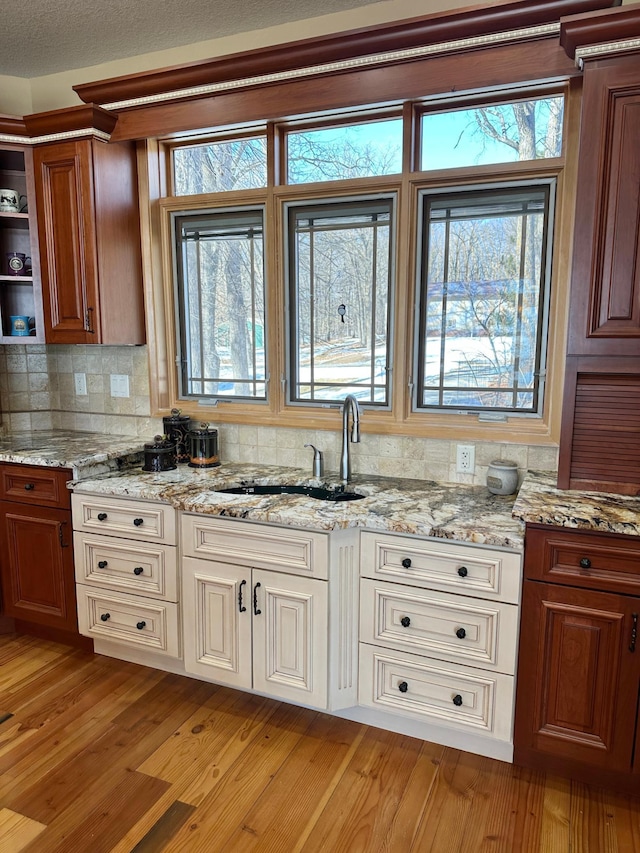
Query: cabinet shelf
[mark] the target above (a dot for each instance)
(4, 214)
(17, 279)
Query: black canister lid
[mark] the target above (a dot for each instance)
(160, 442)
(203, 430)
(176, 417)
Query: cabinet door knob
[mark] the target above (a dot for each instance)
(403, 687)
(138, 521)
(140, 625)
(102, 564)
(461, 633)
(29, 487)
(463, 571)
(102, 516)
(457, 700)
(406, 563)
(585, 563)
(405, 621)
(105, 617)
(138, 570)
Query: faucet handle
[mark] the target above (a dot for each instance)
(318, 461)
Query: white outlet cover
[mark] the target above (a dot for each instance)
(80, 384)
(119, 385)
(465, 458)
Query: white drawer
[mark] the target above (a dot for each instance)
(425, 689)
(469, 569)
(142, 520)
(136, 621)
(295, 551)
(439, 624)
(123, 565)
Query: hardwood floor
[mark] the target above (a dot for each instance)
(109, 757)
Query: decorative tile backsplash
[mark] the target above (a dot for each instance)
(37, 391)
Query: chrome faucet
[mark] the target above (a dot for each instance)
(350, 403)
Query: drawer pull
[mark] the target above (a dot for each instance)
(255, 599)
(105, 617)
(141, 625)
(241, 606)
(403, 687)
(457, 700)
(585, 563)
(405, 621)
(138, 570)
(138, 521)
(463, 571)
(634, 632)
(102, 564)
(406, 563)
(102, 516)
(29, 487)
(461, 633)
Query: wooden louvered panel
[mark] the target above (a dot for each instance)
(606, 429)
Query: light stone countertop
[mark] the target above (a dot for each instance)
(87, 454)
(539, 501)
(425, 508)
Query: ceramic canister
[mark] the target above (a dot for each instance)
(502, 477)
(203, 447)
(160, 455)
(176, 427)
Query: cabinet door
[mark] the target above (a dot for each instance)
(290, 637)
(64, 194)
(37, 565)
(578, 676)
(217, 621)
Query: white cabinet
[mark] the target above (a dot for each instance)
(127, 573)
(291, 636)
(439, 632)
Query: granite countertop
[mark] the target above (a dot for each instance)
(87, 454)
(539, 501)
(422, 507)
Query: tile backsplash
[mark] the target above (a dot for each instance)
(37, 391)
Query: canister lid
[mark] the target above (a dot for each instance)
(203, 430)
(176, 417)
(160, 442)
(503, 463)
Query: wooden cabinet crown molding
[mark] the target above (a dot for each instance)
(469, 25)
(599, 33)
(73, 122)
(12, 129)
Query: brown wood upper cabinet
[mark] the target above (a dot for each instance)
(89, 231)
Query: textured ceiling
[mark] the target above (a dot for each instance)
(46, 36)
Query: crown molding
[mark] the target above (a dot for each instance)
(599, 34)
(438, 33)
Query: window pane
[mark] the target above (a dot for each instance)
(340, 282)
(500, 133)
(349, 151)
(483, 298)
(235, 164)
(221, 304)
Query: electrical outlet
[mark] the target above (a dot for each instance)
(119, 385)
(465, 458)
(80, 383)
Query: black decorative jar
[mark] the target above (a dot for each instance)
(176, 427)
(160, 455)
(203, 447)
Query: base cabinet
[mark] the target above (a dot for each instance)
(579, 662)
(258, 630)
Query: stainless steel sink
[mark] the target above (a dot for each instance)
(317, 492)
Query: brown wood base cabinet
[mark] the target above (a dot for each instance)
(36, 550)
(579, 661)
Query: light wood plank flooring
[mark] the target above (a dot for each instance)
(109, 757)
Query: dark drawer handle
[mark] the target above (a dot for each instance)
(461, 633)
(29, 487)
(403, 687)
(141, 625)
(138, 570)
(102, 564)
(405, 621)
(457, 700)
(105, 617)
(585, 563)
(463, 571)
(102, 516)
(406, 563)
(138, 521)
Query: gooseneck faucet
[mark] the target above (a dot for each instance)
(350, 404)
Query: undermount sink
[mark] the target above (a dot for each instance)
(317, 492)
